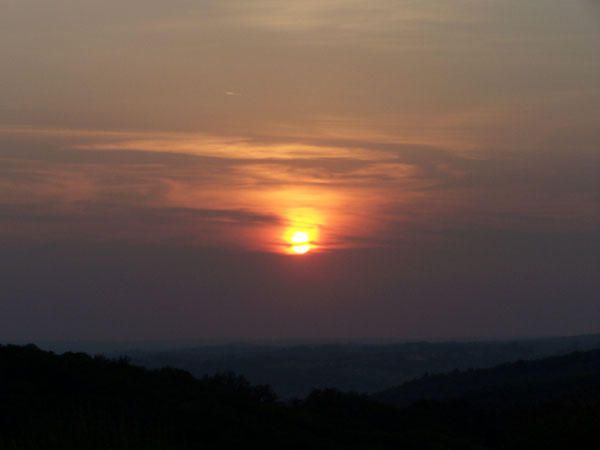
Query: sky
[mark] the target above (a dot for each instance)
(301, 169)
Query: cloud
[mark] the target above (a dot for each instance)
(138, 185)
(113, 222)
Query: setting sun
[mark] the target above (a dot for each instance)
(300, 242)
(302, 234)
(301, 249)
(300, 237)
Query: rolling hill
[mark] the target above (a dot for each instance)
(75, 401)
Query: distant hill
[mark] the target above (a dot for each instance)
(506, 384)
(293, 370)
(75, 401)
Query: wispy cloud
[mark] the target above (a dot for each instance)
(152, 185)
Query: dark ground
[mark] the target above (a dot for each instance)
(73, 401)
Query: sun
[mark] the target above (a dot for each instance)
(300, 242)
(301, 249)
(300, 237)
(302, 233)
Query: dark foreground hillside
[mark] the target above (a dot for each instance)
(74, 401)
(552, 403)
